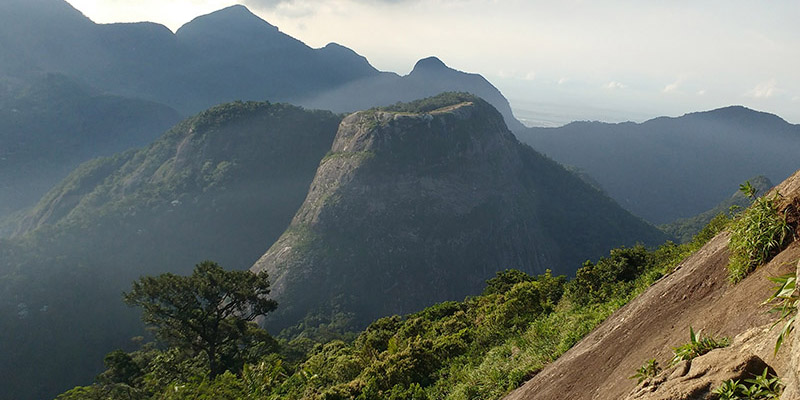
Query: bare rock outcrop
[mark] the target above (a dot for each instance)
(421, 203)
(696, 379)
(697, 294)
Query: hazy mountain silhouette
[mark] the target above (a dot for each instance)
(51, 124)
(230, 54)
(670, 168)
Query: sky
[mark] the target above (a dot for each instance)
(556, 61)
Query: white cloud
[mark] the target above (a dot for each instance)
(670, 88)
(701, 92)
(563, 81)
(531, 75)
(613, 85)
(764, 90)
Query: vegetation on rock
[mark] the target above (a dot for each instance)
(764, 386)
(757, 234)
(648, 370)
(698, 345)
(788, 299)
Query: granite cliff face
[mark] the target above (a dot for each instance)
(423, 202)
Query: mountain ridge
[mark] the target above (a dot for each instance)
(674, 167)
(190, 70)
(448, 159)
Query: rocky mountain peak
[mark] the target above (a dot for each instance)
(429, 64)
(422, 202)
(231, 21)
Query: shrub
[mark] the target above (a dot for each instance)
(648, 370)
(610, 277)
(697, 347)
(761, 386)
(788, 300)
(505, 280)
(757, 235)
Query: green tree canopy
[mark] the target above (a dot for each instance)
(209, 312)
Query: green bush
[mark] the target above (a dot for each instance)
(610, 277)
(762, 386)
(757, 234)
(648, 370)
(697, 346)
(788, 301)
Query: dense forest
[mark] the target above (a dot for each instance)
(481, 347)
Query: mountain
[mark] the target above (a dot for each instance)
(221, 185)
(670, 168)
(429, 77)
(696, 296)
(44, 36)
(422, 202)
(50, 124)
(228, 55)
(684, 229)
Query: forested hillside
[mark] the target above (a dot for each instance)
(50, 123)
(221, 185)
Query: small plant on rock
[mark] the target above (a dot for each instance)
(788, 300)
(764, 386)
(697, 346)
(757, 234)
(648, 370)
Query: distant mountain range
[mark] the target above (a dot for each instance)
(224, 56)
(663, 169)
(670, 168)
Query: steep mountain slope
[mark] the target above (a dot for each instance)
(222, 185)
(227, 55)
(51, 124)
(699, 295)
(422, 202)
(670, 168)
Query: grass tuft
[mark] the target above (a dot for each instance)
(757, 234)
(697, 346)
